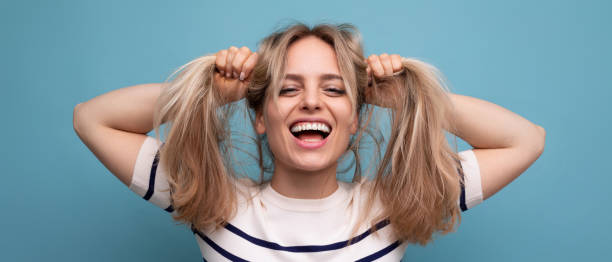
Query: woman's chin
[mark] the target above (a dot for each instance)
(313, 164)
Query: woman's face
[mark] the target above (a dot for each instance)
(310, 126)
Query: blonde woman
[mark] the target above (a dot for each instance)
(312, 93)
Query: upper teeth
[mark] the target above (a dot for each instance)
(310, 126)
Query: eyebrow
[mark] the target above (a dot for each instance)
(323, 77)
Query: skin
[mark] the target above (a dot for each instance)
(233, 72)
(114, 125)
(505, 144)
(301, 172)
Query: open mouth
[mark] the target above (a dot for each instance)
(310, 131)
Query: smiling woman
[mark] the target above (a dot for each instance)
(312, 97)
(312, 93)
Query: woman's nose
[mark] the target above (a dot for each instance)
(311, 99)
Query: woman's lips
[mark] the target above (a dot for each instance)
(321, 127)
(310, 143)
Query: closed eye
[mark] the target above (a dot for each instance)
(335, 90)
(287, 90)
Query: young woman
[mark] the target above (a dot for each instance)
(311, 92)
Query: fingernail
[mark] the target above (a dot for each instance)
(241, 76)
(235, 74)
(222, 72)
(227, 74)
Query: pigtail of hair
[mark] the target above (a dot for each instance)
(203, 193)
(417, 178)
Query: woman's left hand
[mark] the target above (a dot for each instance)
(381, 66)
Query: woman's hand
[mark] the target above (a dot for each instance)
(233, 71)
(382, 66)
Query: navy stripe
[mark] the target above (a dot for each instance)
(309, 248)
(217, 248)
(169, 209)
(462, 204)
(380, 253)
(151, 188)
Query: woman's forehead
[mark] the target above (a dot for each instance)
(311, 57)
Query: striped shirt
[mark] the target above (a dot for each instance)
(272, 227)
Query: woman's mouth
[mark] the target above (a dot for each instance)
(310, 135)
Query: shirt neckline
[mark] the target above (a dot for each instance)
(306, 205)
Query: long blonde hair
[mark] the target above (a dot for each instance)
(416, 178)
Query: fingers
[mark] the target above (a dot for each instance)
(235, 63)
(248, 66)
(238, 62)
(229, 70)
(221, 57)
(376, 66)
(396, 62)
(385, 60)
(384, 65)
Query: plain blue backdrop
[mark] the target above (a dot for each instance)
(548, 61)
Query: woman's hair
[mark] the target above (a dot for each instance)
(416, 179)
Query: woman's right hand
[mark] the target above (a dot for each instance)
(233, 71)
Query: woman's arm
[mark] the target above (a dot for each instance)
(505, 144)
(114, 126)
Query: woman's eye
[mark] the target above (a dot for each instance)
(287, 90)
(335, 90)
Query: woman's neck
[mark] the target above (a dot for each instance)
(303, 184)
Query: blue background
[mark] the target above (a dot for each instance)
(548, 61)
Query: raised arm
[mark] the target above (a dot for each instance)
(505, 144)
(114, 126)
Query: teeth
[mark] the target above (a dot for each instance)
(310, 126)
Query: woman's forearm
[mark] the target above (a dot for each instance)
(486, 125)
(128, 109)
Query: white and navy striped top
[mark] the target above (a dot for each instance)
(272, 227)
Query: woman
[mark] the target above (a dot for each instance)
(311, 93)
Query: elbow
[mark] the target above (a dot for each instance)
(531, 147)
(541, 139)
(533, 142)
(75, 117)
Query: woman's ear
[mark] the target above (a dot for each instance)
(260, 127)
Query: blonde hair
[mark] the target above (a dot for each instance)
(416, 179)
